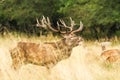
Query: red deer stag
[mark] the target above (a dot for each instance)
(110, 55)
(48, 53)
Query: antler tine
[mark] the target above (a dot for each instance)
(38, 24)
(41, 23)
(47, 22)
(63, 23)
(79, 29)
(72, 24)
(58, 25)
(44, 20)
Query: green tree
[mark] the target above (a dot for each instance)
(22, 14)
(100, 18)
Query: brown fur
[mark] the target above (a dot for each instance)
(113, 58)
(32, 53)
(47, 54)
(111, 55)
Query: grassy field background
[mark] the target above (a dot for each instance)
(84, 63)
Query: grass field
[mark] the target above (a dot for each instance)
(84, 63)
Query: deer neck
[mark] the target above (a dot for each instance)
(63, 48)
(61, 44)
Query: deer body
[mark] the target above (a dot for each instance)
(110, 55)
(32, 53)
(46, 54)
(40, 54)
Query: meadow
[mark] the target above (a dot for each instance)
(85, 62)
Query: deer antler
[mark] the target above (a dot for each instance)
(48, 23)
(72, 26)
(45, 23)
(79, 29)
(41, 23)
(63, 23)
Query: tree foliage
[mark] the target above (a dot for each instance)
(100, 18)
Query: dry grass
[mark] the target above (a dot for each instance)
(84, 63)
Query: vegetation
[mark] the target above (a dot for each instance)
(101, 19)
(88, 62)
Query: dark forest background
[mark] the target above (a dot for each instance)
(101, 18)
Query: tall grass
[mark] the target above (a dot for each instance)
(84, 63)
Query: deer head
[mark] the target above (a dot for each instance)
(67, 32)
